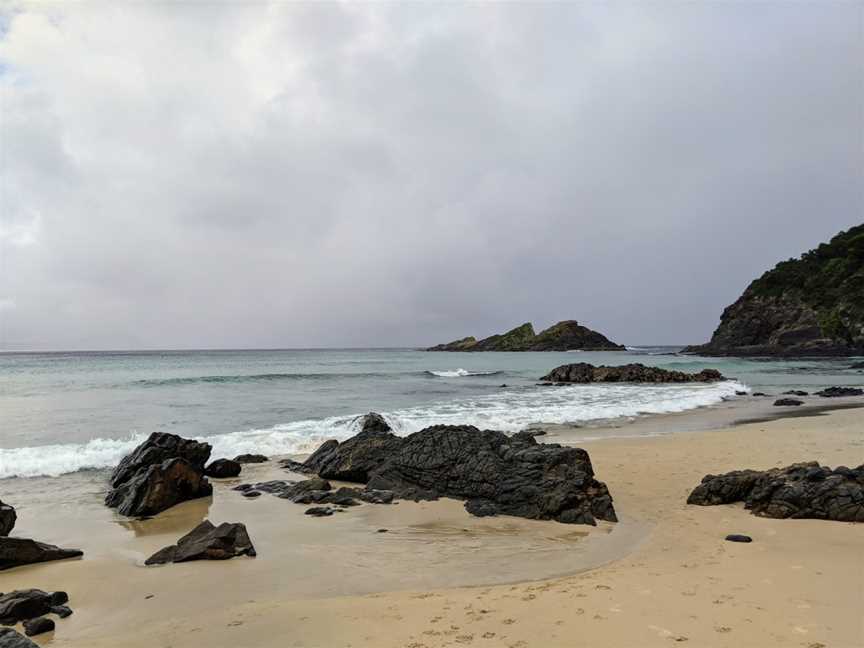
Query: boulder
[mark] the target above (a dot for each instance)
(207, 542)
(158, 487)
(38, 626)
(836, 392)
(788, 402)
(251, 458)
(803, 490)
(320, 511)
(20, 605)
(223, 468)
(7, 519)
(795, 392)
(736, 537)
(582, 373)
(10, 638)
(15, 552)
(158, 448)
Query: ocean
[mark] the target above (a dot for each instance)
(65, 412)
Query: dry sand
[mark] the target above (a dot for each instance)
(663, 576)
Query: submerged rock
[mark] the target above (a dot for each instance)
(223, 468)
(795, 392)
(582, 372)
(10, 638)
(207, 542)
(38, 626)
(158, 487)
(15, 552)
(7, 519)
(251, 458)
(788, 402)
(804, 490)
(21, 605)
(836, 392)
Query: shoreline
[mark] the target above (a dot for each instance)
(676, 552)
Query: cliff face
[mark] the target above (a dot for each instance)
(563, 336)
(808, 306)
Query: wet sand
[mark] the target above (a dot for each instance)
(661, 577)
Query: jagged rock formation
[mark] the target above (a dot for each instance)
(582, 372)
(563, 336)
(161, 472)
(7, 519)
(810, 306)
(494, 473)
(839, 392)
(803, 490)
(207, 542)
(15, 552)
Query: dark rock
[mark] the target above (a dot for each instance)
(59, 598)
(759, 394)
(788, 402)
(21, 605)
(740, 393)
(502, 385)
(734, 537)
(796, 392)
(836, 392)
(251, 494)
(582, 372)
(497, 474)
(207, 542)
(62, 611)
(158, 448)
(223, 468)
(320, 511)
(811, 306)
(15, 552)
(857, 365)
(38, 626)
(563, 336)
(158, 487)
(10, 638)
(7, 519)
(804, 490)
(250, 458)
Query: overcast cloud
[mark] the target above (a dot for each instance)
(289, 175)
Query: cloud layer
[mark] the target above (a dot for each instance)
(294, 175)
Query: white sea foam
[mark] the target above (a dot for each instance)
(509, 411)
(460, 373)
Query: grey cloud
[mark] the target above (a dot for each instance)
(285, 174)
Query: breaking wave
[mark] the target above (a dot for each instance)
(460, 373)
(508, 410)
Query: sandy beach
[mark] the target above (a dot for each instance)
(663, 575)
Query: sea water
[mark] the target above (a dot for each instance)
(65, 412)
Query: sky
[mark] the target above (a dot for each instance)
(227, 174)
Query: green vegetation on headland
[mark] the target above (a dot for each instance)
(563, 336)
(813, 305)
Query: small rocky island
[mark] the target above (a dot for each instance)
(812, 306)
(568, 335)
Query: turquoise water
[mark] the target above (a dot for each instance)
(61, 412)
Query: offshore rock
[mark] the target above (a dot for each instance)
(803, 490)
(788, 402)
(837, 392)
(207, 542)
(563, 336)
(582, 372)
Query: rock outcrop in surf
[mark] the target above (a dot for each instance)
(163, 471)
(493, 473)
(582, 372)
(568, 335)
(811, 306)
